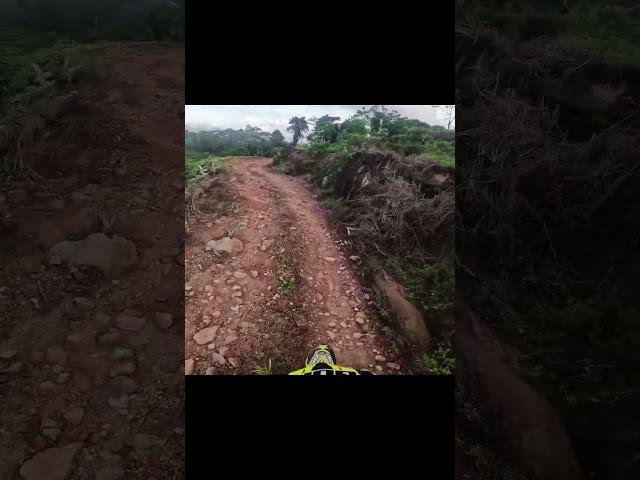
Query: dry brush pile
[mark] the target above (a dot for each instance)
(547, 238)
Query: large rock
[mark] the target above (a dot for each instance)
(50, 464)
(533, 430)
(206, 335)
(407, 316)
(232, 246)
(112, 255)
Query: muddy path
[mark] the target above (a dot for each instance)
(291, 287)
(91, 376)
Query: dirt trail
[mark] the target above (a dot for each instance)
(291, 287)
(90, 363)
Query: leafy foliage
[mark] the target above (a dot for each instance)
(298, 126)
(248, 141)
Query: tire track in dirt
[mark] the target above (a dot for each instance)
(291, 287)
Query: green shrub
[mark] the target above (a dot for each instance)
(441, 361)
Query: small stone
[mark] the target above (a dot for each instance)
(8, 353)
(359, 320)
(239, 275)
(56, 355)
(74, 415)
(332, 323)
(126, 368)
(354, 258)
(130, 322)
(121, 353)
(102, 318)
(108, 338)
(366, 296)
(52, 433)
(233, 361)
(206, 335)
(232, 246)
(231, 338)
(378, 368)
(330, 259)
(111, 469)
(216, 314)
(164, 320)
(394, 366)
(142, 441)
(189, 366)
(357, 335)
(331, 334)
(74, 338)
(235, 308)
(217, 358)
(380, 358)
(210, 371)
(83, 302)
(119, 401)
(208, 288)
(254, 273)
(265, 244)
(122, 384)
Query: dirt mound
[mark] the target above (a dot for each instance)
(392, 200)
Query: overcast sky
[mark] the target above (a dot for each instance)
(271, 117)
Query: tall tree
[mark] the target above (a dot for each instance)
(297, 125)
(326, 129)
(448, 114)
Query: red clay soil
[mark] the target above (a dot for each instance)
(290, 288)
(83, 395)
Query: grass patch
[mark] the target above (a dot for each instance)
(198, 164)
(285, 284)
(441, 361)
(264, 370)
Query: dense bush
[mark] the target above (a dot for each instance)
(247, 141)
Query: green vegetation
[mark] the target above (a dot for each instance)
(197, 164)
(378, 127)
(41, 32)
(440, 361)
(609, 28)
(263, 370)
(389, 181)
(250, 141)
(297, 125)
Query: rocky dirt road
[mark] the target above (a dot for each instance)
(270, 281)
(91, 380)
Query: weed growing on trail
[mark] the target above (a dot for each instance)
(278, 204)
(441, 361)
(285, 284)
(266, 370)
